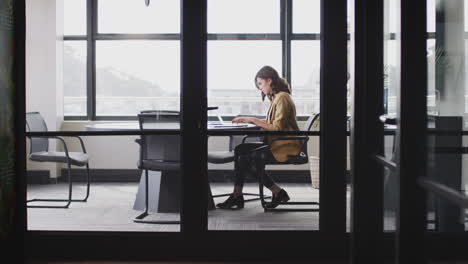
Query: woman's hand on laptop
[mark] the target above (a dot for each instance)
(249, 119)
(244, 119)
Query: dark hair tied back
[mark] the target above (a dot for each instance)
(278, 84)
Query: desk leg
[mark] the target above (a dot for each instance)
(164, 193)
(154, 179)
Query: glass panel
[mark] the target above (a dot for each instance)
(240, 176)
(116, 192)
(144, 75)
(391, 79)
(306, 16)
(132, 17)
(9, 136)
(305, 76)
(243, 16)
(431, 21)
(447, 108)
(75, 17)
(237, 94)
(74, 78)
(131, 76)
(349, 86)
(232, 66)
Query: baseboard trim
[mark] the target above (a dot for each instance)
(102, 175)
(37, 177)
(133, 175)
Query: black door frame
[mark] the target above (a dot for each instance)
(195, 241)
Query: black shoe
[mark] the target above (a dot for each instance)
(232, 202)
(281, 197)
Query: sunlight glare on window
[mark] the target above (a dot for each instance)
(134, 17)
(232, 66)
(243, 16)
(145, 75)
(74, 16)
(306, 16)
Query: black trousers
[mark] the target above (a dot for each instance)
(248, 162)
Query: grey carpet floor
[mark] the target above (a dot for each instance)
(110, 208)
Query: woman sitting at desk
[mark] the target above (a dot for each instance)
(281, 116)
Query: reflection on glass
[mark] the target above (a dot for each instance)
(306, 16)
(132, 17)
(305, 74)
(432, 94)
(447, 107)
(391, 84)
(350, 83)
(243, 16)
(74, 17)
(74, 78)
(232, 66)
(137, 75)
(391, 75)
(431, 21)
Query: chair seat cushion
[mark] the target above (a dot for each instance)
(76, 158)
(220, 157)
(158, 165)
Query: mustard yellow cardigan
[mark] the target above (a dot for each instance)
(282, 117)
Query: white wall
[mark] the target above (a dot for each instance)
(44, 67)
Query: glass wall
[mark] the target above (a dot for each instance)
(130, 61)
(75, 58)
(391, 79)
(237, 50)
(447, 108)
(103, 60)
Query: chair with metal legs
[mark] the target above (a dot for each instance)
(39, 152)
(223, 157)
(157, 153)
(301, 158)
(227, 156)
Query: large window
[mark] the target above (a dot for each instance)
(238, 48)
(121, 57)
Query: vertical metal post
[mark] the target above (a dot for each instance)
(333, 77)
(194, 205)
(91, 28)
(412, 124)
(17, 250)
(286, 33)
(367, 134)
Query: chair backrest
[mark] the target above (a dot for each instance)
(163, 115)
(312, 123)
(158, 147)
(35, 123)
(303, 157)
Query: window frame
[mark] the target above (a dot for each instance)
(286, 36)
(329, 241)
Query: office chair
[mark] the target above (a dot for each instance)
(163, 115)
(301, 158)
(222, 157)
(39, 152)
(157, 153)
